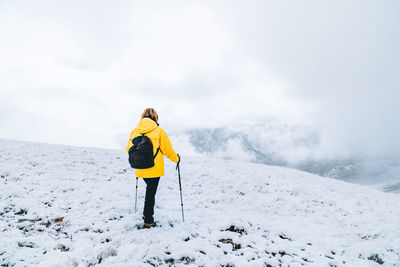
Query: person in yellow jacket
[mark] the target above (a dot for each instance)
(148, 126)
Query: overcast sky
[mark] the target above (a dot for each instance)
(81, 72)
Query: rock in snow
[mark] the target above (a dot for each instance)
(74, 206)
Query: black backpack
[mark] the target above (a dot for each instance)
(141, 153)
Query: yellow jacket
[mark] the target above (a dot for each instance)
(159, 139)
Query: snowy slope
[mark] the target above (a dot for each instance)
(71, 206)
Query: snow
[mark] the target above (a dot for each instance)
(74, 206)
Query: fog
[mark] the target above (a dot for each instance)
(81, 72)
(341, 56)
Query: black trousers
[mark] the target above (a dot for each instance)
(151, 189)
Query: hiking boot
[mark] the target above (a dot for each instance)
(149, 225)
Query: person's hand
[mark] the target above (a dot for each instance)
(177, 164)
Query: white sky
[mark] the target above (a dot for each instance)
(81, 72)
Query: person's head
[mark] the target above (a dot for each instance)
(150, 113)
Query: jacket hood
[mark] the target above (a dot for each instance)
(146, 125)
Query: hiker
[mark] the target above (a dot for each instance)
(148, 126)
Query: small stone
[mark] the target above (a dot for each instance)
(225, 241)
(26, 244)
(21, 212)
(62, 247)
(59, 220)
(47, 224)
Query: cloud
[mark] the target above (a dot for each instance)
(341, 57)
(91, 68)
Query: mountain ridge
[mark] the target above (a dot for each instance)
(290, 145)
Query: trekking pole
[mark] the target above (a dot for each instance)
(180, 189)
(136, 194)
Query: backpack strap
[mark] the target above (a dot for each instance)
(158, 149)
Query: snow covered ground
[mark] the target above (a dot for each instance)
(73, 206)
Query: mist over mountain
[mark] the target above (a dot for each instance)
(292, 145)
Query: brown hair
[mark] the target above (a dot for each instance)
(150, 113)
